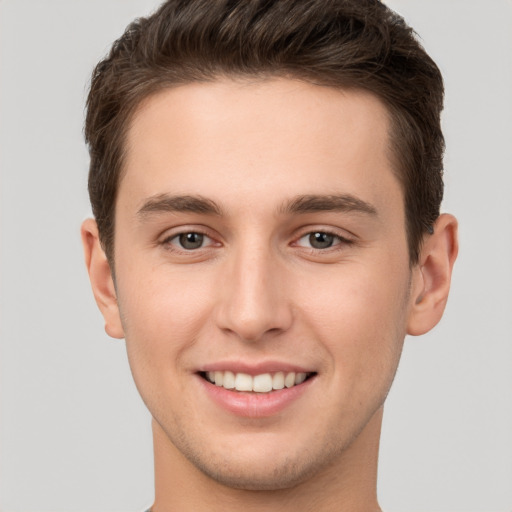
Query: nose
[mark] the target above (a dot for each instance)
(254, 304)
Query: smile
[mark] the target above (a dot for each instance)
(262, 383)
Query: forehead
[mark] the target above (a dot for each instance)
(261, 139)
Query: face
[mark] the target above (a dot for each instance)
(262, 273)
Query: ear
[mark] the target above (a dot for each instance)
(101, 279)
(432, 276)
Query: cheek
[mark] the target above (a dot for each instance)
(162, 316)
(159, 331)
(360, 316)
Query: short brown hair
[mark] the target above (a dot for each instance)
(340, 43)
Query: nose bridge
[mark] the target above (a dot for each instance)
(254, 301)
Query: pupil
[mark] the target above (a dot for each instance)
(191, 240)
(321, 240)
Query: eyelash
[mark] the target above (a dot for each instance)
(339, 241)
(168, 241)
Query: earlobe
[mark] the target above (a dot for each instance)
(432, 276)
(101, 279)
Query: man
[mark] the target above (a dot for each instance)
(266, 178)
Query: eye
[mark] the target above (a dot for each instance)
(320, 240)
(189, 241)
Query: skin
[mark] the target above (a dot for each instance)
(258, 291)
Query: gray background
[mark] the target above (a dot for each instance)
(74, 434)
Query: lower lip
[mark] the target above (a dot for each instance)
(254, 405)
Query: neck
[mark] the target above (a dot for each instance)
(348, 484)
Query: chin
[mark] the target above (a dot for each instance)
(265, 471)
(259, 477)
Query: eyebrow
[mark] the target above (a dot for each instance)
(328, 203)
(164, 203)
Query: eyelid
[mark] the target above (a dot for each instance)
(341, 238)
(171, 234)
(205, 244)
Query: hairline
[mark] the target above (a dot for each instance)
(165, 84)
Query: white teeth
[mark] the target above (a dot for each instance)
(300, 378)
(289, 380)
(262, 383)
(278, 380)
(229, 380)
(243, 382)
(219, 378)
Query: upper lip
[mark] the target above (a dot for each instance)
(255, 368)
